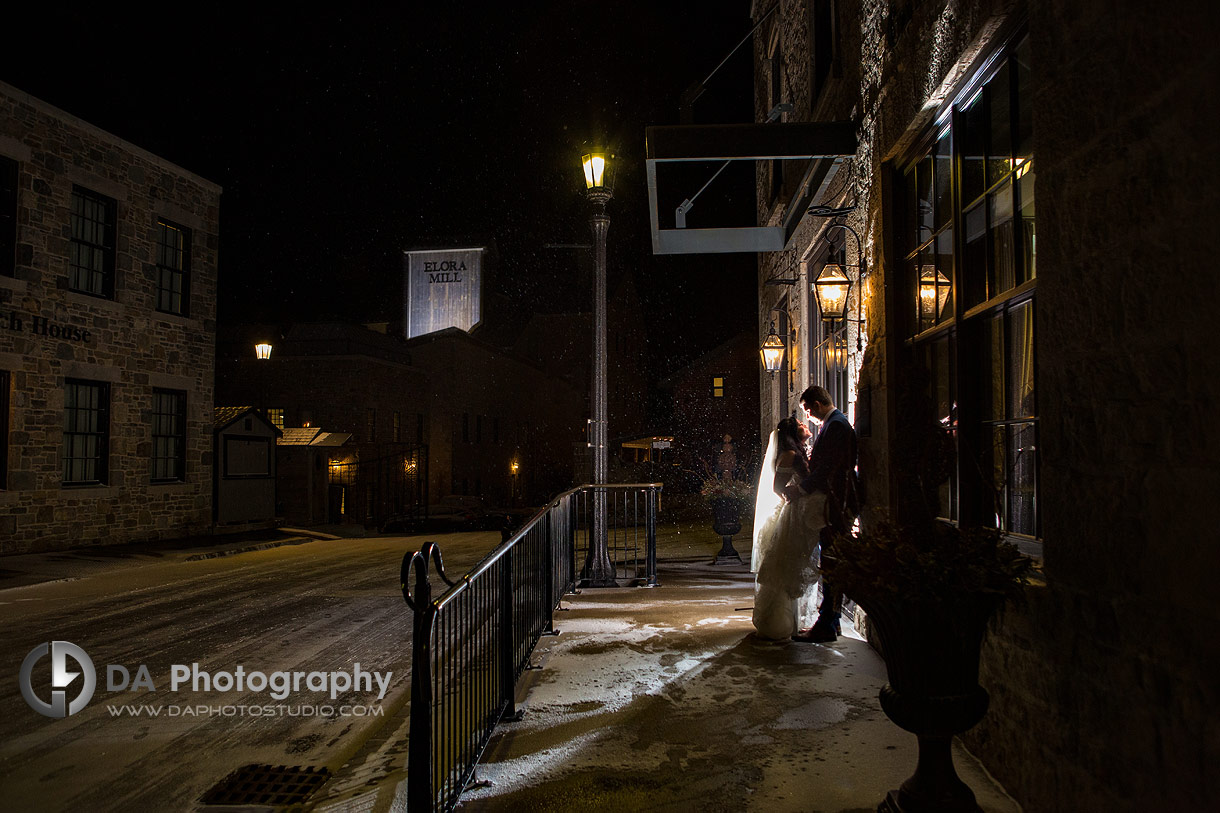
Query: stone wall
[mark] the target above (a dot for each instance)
(1119, 687)
(1102, 696)
(51, 334)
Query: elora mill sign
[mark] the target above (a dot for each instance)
(44, 327)
(442, 288)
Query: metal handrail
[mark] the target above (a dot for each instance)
(474, 641)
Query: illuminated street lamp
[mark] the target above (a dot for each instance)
(772, 351)
(598, 171)
(262, 351)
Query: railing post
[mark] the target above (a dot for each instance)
(508, 665)
(421, 796)
(650, 539)
(549, 559)
(573, 512)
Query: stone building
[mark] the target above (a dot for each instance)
(441, 414)
(713, 395)
(1063, 354)
(1069, 355)
(107, 308)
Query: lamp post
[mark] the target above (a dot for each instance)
(598, 571)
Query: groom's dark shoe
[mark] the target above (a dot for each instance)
(822, 632)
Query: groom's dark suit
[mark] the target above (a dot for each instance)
(832, 469)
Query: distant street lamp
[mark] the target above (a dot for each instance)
(598, 571)
(262, 351)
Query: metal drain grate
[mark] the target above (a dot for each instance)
(266, 785)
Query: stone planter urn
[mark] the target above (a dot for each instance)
(726, 521)
(931, 652)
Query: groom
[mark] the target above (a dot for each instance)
(832, 470)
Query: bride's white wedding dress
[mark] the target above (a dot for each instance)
(785, 553)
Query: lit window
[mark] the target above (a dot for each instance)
(717, 387)
(276, 416)
(975, 296)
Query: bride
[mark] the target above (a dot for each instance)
(784, 558)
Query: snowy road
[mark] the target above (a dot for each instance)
(319, 607)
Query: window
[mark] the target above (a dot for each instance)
(276, 416)
(970, 259)
(343, 472)
(8, 217)
(717, 386)
(86, 432)
(419, 428)
(794, 352)
(465, 428)
(91, 252)
(825, 40)
(370, 422)
(774, 96)
(478, 429)
(168, 436)
(397, 430)
(4, 407)
(173, 267)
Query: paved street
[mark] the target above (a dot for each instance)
(322, 606)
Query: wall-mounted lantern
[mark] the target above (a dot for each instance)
(772, 351)
(832, 288)
(933, 292)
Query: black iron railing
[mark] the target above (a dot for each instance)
(472, 642)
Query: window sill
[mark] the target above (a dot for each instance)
(177, 319)
(1011, 295)
(1028, 545)
(13, 284)
(172, 487)
(89, 489)
(89, 300)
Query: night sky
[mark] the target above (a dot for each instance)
(342, 140)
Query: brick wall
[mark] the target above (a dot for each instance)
(122, 341)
